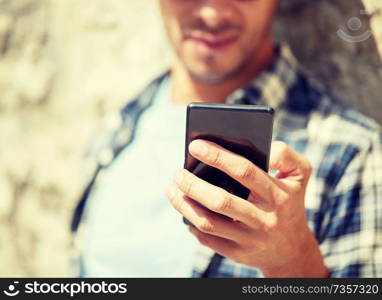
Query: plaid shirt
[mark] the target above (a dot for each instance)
(344, 195)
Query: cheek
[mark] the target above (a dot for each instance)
(258, 19)
(172, 14)
(174, 32)
(255, 28)
(249, 42)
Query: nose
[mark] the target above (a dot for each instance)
(214, 13)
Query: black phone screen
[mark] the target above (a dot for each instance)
(242, 129)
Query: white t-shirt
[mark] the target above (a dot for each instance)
(131, 229)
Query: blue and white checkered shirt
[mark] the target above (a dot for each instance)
(344, 196)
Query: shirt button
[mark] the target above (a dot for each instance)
(105, 157)
(123, 137)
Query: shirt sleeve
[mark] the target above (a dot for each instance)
(351, 242)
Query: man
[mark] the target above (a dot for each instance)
(319, 216)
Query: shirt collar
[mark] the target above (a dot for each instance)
(272, 85)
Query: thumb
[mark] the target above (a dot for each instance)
(288, 162)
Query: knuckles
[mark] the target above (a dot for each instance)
(204, 240)
(187, 186)
(178, 202)
(206, 225)
(185, 183)
(282, 197)
(245, 172)
(223, 203)
(216, 158)
(270, 226)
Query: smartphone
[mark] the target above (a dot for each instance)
(242, 129)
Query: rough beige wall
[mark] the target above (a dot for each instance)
(331, 40)
(65, 64)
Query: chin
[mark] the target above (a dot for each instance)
(209, 78)
(214, 76)
(214, 68)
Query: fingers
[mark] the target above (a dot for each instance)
(224, 247)
(237, 167)
(218, 200)
(207, 221)
(288, 162)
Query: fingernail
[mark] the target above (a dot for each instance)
(170, 191)
(179, 177)
(198, 148)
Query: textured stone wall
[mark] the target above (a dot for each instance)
(346, 63)
(65, 64)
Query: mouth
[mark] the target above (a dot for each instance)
(212, 41)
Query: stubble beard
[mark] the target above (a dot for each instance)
(216, 78)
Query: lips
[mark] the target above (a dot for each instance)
(212, 41)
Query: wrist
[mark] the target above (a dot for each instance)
(306, 261)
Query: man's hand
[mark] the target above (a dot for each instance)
(269, 230)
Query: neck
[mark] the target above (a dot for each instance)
(187, 89)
